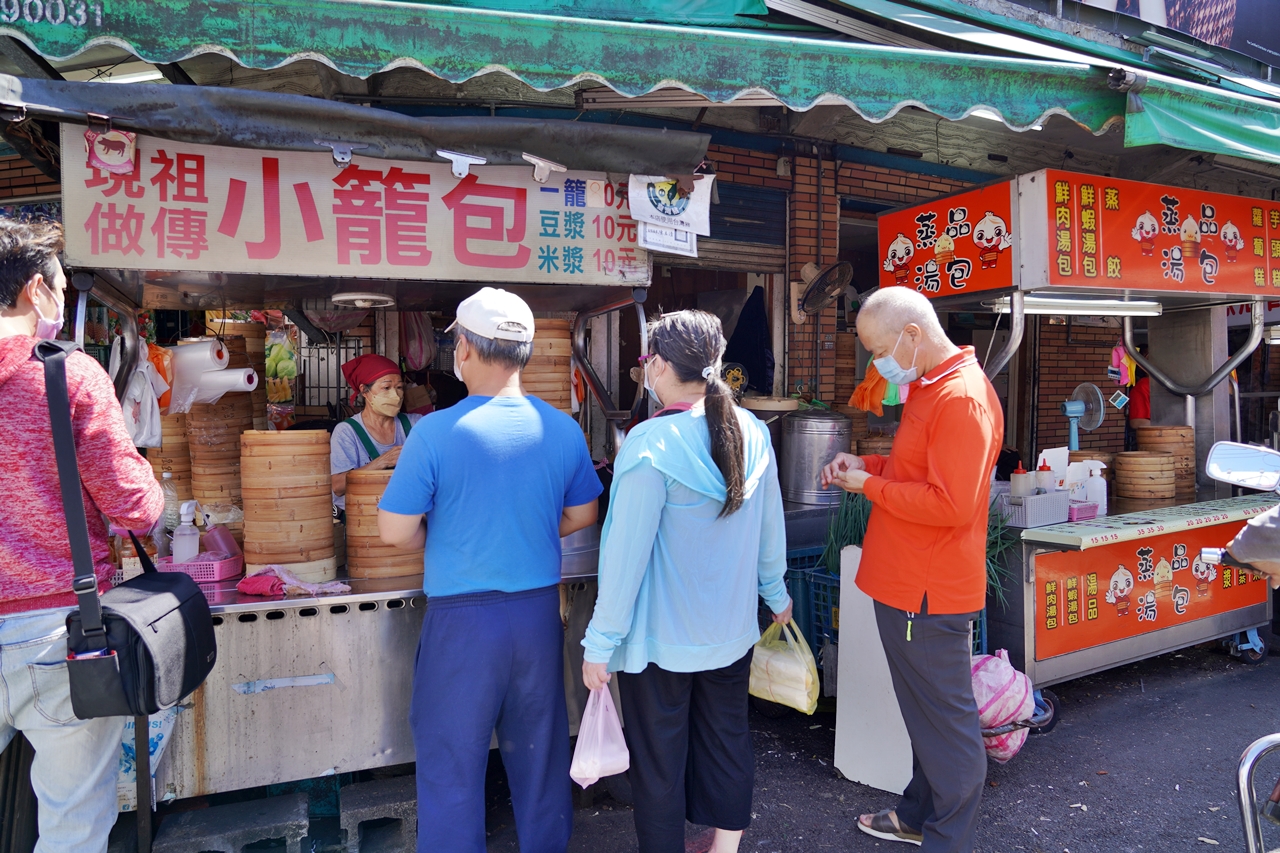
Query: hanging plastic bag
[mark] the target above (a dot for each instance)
(417, 340)
(601, 749)
(1004, 696)
(783, 669)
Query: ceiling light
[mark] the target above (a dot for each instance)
(1273, 335)
(1079, 307)
(362, 300)
(138, 77)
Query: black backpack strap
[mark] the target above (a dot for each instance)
(53, 354)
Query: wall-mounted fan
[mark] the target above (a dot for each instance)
(821, 287)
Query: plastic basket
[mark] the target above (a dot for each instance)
(824, 592)
(980, 633)
(1036, 510)
(205, 571)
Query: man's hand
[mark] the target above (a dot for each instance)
(852, 481)
(785, 616)
(595, 675)
(842, 463)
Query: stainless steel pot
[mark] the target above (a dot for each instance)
(811, 439)
(580, 553)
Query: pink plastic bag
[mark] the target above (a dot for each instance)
(1004, 696)
(601, 749)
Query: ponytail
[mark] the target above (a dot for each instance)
(692, 342)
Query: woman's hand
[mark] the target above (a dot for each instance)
(385, 461)
(842, 463)
(595, 675)
(785, 616)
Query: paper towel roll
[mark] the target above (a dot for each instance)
(214, 383)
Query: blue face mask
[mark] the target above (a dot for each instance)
(894, 373)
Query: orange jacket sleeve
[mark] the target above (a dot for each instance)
(959, 445)
(875, 464)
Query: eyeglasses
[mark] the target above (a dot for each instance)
(645, 358)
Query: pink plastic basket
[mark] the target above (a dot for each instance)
(204, 571)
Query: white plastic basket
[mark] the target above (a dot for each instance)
(1036, 510)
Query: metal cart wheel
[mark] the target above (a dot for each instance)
(1250, 646)
(1050, 702)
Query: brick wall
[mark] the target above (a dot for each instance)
(1064, 364)
(19, 179)
(893, 186)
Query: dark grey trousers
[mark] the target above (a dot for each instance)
(949, 763)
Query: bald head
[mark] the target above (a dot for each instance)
(900, 320)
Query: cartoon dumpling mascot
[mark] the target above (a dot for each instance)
(1190, 235)
(944, 250)
(1232, 242)
(1204, 574)
(898, 261)
(1145, 232)
(1164, 577)
(991, 236)
(1120, 589)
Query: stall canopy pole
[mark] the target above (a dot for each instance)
(617, 417)
(1017, 325)
(1190, 392)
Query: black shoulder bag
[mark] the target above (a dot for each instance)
(144, 645)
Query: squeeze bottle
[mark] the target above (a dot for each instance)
(1095, 491)
(1021, 482)
(1045, 479)
(186, 539)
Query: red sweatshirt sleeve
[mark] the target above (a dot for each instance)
(958, 458)
(120, 482)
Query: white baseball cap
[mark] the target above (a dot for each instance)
(494, 313)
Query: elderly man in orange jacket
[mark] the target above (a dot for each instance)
(924, 559)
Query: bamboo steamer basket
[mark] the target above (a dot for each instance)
(1181, 442)
(288, 502)
(1124, 506)
(876, 445)
(546, 376)
(174, 454)
(1145, 475)
(367, 556)
(247, 348)
(858, 418)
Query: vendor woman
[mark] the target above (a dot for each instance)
(371, 440)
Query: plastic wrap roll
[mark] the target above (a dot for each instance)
(190, 362)
(214, 383)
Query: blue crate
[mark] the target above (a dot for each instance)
(824, 607)
(980, 633)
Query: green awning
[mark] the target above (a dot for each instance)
(1200, 118)
(362, 37)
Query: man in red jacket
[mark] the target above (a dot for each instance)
(76, 763)
(924, 559)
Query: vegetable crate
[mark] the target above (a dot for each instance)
(980, 633)
(824, 607)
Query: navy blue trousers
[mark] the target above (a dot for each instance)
(491, 661)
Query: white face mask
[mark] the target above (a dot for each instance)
(648, 386)
(457, 371)
(46, 329)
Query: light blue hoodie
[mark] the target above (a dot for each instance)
(678, 584)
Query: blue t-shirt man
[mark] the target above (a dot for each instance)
(492, 475)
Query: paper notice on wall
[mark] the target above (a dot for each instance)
(659, 200)
(671, 241)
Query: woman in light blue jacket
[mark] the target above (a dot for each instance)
(694, 534)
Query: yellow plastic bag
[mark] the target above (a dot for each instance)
(783, 669)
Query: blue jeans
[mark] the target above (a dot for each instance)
(76, 762)
(487, 661)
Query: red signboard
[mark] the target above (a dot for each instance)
(956, 244)
(1104, 232)
(1100, 595)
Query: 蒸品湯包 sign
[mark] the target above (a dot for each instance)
(1061, 229)
(190, 207)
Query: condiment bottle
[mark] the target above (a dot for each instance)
(1095, 491)
(1022, 482)
(1046, 482)
(186, 539)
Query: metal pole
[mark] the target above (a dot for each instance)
(1017, 326)
(1189, 403)
(1257, 750)
(1255, 338)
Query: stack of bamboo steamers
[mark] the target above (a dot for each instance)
(1161, 473)
(288, 505)
(173, 456)
(547, 375)
(247, 343)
